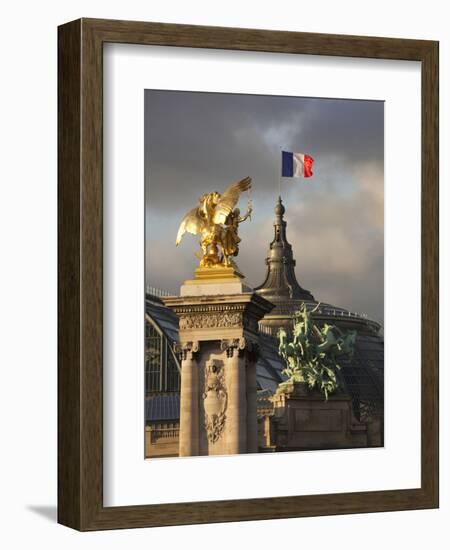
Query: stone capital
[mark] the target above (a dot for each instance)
(232, 346)
(187, 350)
(241, 346)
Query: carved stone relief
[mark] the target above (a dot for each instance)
(215, 400)
(208, 320)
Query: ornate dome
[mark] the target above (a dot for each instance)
(282, 288)
(281, 285)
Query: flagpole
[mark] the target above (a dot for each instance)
(280, 169)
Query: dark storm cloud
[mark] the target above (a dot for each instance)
(198, 142)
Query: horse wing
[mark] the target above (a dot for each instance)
(230, 198)
(192, 223)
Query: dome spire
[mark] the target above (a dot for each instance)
(281, 283)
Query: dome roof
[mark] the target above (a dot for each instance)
(282, 288)
(281, 283)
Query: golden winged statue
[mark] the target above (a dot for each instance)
(216, 219)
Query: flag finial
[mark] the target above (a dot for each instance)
(279, 208)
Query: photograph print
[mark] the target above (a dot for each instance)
(264, 269)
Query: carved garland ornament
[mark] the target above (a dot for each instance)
(215, 401)
(217, 320)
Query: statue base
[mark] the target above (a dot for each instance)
(304, 420)
(213, 280)
(218, 271)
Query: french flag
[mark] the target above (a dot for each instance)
(296, 165)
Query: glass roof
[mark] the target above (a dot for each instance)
(162, 407)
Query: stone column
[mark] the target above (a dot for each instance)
(252, 421)
(189, 404)
(237, 402)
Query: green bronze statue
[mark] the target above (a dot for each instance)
(311, 356)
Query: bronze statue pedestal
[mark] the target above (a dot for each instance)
(304, 420)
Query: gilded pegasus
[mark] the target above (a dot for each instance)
(216, 219)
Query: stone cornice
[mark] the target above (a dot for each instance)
(219, 311)
(217, 299)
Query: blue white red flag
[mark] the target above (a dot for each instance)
(296, 165)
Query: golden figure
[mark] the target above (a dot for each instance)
(217, 220)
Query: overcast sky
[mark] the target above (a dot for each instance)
(200, 142)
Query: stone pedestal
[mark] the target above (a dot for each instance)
(218, 331)
(306, 421)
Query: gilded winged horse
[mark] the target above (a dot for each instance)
(216, 219)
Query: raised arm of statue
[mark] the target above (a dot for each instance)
(247, 215)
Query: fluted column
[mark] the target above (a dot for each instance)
(237, 400)
(189, 401)
(252, 420)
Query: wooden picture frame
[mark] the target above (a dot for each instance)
(80, 271)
